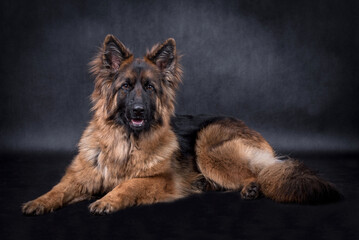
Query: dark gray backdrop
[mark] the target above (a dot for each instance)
(287, 68)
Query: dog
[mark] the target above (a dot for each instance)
(136, 151)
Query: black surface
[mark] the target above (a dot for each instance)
(206, 216)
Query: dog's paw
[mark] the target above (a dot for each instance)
(102, 207)
(35, 207)
(250, 191)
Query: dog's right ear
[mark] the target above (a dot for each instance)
(114, 53)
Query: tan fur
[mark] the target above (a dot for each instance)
(225, 153)
(148, 168)
(235, 157)
(291, 181)
(131, 171)
(119, 162)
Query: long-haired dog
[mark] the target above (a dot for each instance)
(137, 151)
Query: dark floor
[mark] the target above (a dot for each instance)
(207, 216)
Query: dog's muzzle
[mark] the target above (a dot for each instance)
(137, 116)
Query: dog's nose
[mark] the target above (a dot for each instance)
(138, 109)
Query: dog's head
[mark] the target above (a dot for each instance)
(135, 92)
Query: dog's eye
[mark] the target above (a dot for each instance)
(149, 87)
(125, 86)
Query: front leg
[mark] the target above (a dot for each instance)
(137, 191)
(61, 194)
(75, 185)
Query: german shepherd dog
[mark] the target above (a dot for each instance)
(137, 151)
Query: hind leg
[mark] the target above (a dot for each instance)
(226, 155)
(251, 189)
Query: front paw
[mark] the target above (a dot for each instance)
(35, 207)
(102, 207)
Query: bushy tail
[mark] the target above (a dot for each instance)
(291, 181)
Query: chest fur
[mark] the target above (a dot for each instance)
(127, 157)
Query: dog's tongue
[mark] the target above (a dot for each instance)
(137, 122)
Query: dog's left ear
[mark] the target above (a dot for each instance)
(164, 56)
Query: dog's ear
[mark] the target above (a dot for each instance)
(114, 53)
(163, 55)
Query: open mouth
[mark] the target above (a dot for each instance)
(137, 122)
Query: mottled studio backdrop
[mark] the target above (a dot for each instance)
(287, 68)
